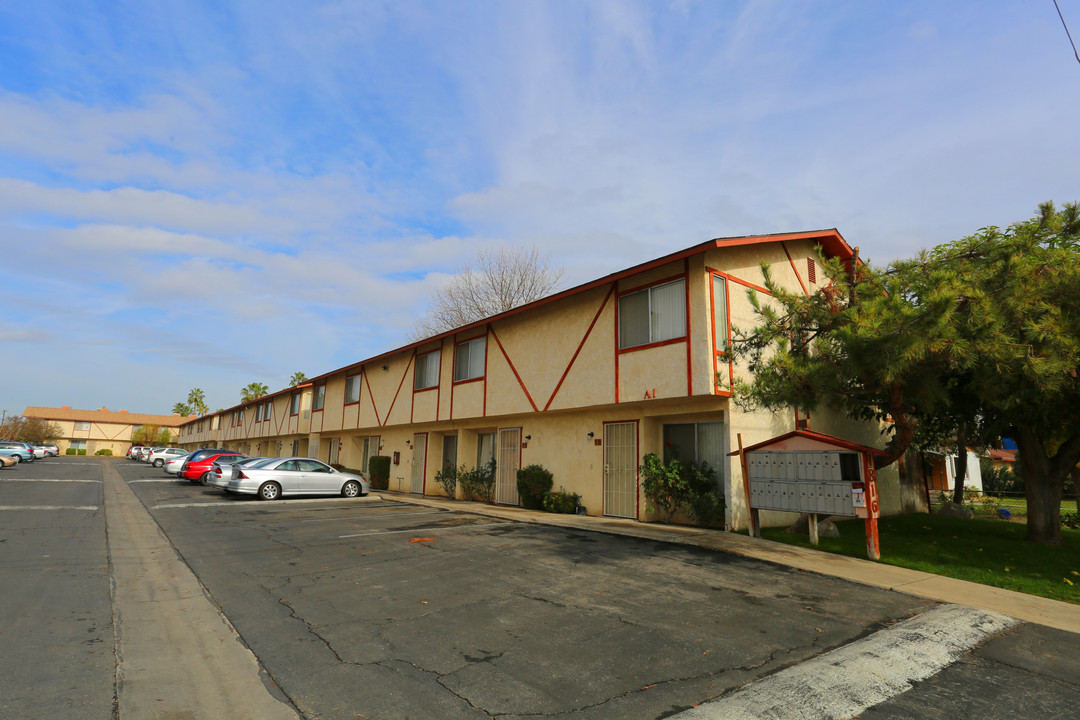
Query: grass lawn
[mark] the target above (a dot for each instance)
(982, 550)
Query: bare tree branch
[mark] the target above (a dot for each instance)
(499, 280)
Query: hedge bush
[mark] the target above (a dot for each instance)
(533, 483)
(379, 472)
(82, 451)
(675, 486)
(561, 501)
(104, 451)
(447, 479)
(478, 483)
(69, 451)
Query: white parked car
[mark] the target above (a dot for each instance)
(160, 456)
(175, 465)
(273, 478)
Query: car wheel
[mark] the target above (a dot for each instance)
(205, 479)
(159, 462)
(269, 491)
(350, 489)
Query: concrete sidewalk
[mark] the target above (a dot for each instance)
(1030, 608)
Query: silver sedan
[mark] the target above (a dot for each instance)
(273, 478)
(222, 470)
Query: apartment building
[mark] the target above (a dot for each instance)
(104, 429)
(584, 382)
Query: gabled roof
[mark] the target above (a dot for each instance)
(123, 417)
(815, 437)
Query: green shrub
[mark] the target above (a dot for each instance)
(561, 501)
(104, 451)
(478, 483)
(82, 451)
(447, 479)
(533, 483)
(999, 479)
(379, 472)
(69, 451)
(1070, 520)
(676, 486)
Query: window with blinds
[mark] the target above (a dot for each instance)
(652, 315)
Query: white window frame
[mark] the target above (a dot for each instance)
(82, 425)
(294, 404)
(318, 399)
(474, 366)
(657, 319)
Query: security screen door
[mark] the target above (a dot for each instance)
(508, 463)
(419, 460)
(620, 469)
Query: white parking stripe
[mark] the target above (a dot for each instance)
(239, 502)
(160, 480)
(30, 480)
(49, 507)
(423, 530)
(393, 516)
(844, 682)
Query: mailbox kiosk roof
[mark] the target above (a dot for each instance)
(809, 440)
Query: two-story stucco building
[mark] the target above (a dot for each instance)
(584, 382)
(104, 429)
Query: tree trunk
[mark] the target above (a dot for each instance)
(1042, 487)
(961, 464)
(904, 433)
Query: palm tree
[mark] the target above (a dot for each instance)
(297, 378)
(197, 400)
(253, 391)
(182, 409)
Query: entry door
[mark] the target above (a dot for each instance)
(419, 462)
(620, 469)
(508, 463)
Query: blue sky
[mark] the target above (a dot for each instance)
(209, 194)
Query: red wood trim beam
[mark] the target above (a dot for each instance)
(514, 370)
(689, 351)
(611, 291)
(400, 385)
(794, 269)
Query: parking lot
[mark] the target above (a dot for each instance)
(380, 609)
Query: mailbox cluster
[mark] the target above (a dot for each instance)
(802, 481)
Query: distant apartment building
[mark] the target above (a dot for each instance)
(104, 429)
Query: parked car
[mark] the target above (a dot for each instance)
(133, 452)
(198, 470)
(51, 450)
(159, 457)
(225, 468)
(25, 451)
(8, 457)
(144, 453)
(175, 466)
(273, 478)
(39, 452)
